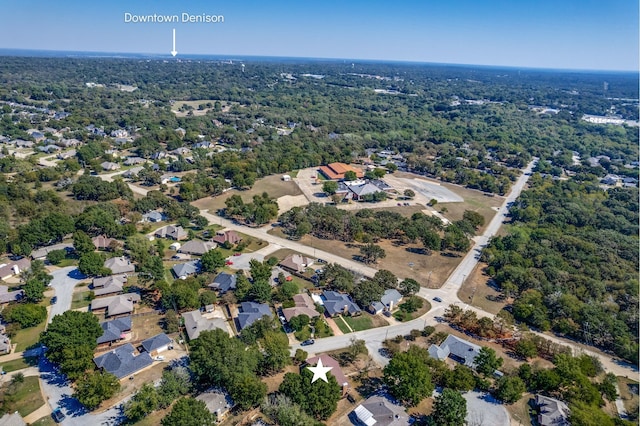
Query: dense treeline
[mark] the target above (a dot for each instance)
(571, 262)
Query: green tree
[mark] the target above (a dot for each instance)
(189, 412)
(175, 382)
(350, 175)
(449, 408)
(299, 322)
(92, 264)
(76, 361)
(96, 387)
(407, 376)
(34, 290)
(56, 256)
(260, 271)
(409, 193)
(275, 347)
(143, 403)
(475, 218)
(409, 286)
(487, 362)
(25, 314)
(319, 399)
(261, 291)
(286, 413)
(372, 252)
(69, 330)
(461, 378)
(509, 389)
(201, 221)
(247, 390)
(330, 187)
(212, 261)
(82, 243)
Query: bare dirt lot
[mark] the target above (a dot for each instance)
(477, 291)
(273, 185)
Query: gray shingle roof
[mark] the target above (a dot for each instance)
(337, 303)
(224, 282)
(122, 362)
(155, 342)
(461, 349)
(251, 312)
(119, 265)
(381, 412)
(197, 247)
(195, 323)
(391, 296)
(186, 269)
(112, 330)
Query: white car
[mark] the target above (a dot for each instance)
(159, 358)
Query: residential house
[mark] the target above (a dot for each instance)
(339, 303)
(229, 236)
(304, 305)
(24, 144)
(132, 172)
(171, 231)
(217, 402)
(456, 348)
(102, 242)
(153, 216)
(197, 247)
(108, 285)
(379, 411)
(11, 269)
(116, 306)
(109, 166)
(123, 361)
(119, 265)
(66, 155)
(224, 282)
(390, 299)
(184, 270)
(132, 161)
(336, 171)
(195, 323)
(114, 331)
(336, 370)
(552, 412)
(7, 296)
(42, 252)
(156, 344)
(251, 312)
(296, 263)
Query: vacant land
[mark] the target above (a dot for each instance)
(477, 291)
(80, 299)
(629, 395)
(146, 326)
(27, 337)
(44, 421)
(273, 185)
(23, 397)
(520, 410)
(197, 109)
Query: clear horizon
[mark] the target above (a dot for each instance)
(569, 35)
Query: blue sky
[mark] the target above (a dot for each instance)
(574, 34)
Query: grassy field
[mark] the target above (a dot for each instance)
(18, 364)
(273, 185)
(146, 326)
(44, 421)
(80, 299)
(24, 398)
(477, 292)
(342, 325)
(520, 410)
(28, 336)
(359, 323)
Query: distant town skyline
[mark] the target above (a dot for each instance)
(567, 34)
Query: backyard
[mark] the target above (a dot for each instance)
(24, 397)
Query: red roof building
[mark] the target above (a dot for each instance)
(336, 171)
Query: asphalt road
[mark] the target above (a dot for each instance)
(64, 280)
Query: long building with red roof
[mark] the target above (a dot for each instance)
(336, 171)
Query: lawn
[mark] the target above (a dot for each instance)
(26, 337)
(477, 292)
(80, 299)
(342, 325)
(146, 326)
(44, 421)
(24, 397)
(359, 323)
(426, 306)
(520, 410)
(18, 364)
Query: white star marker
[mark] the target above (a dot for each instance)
(319, 371)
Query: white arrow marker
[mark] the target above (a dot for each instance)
(174, 52)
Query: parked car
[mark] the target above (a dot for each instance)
(228, 262)
(307, 342)
(54, 299)
(58, 415)
(437, 299)
(237, 254)
(159, 358)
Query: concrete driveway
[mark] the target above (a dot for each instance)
(484, 410)
(63, 283)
